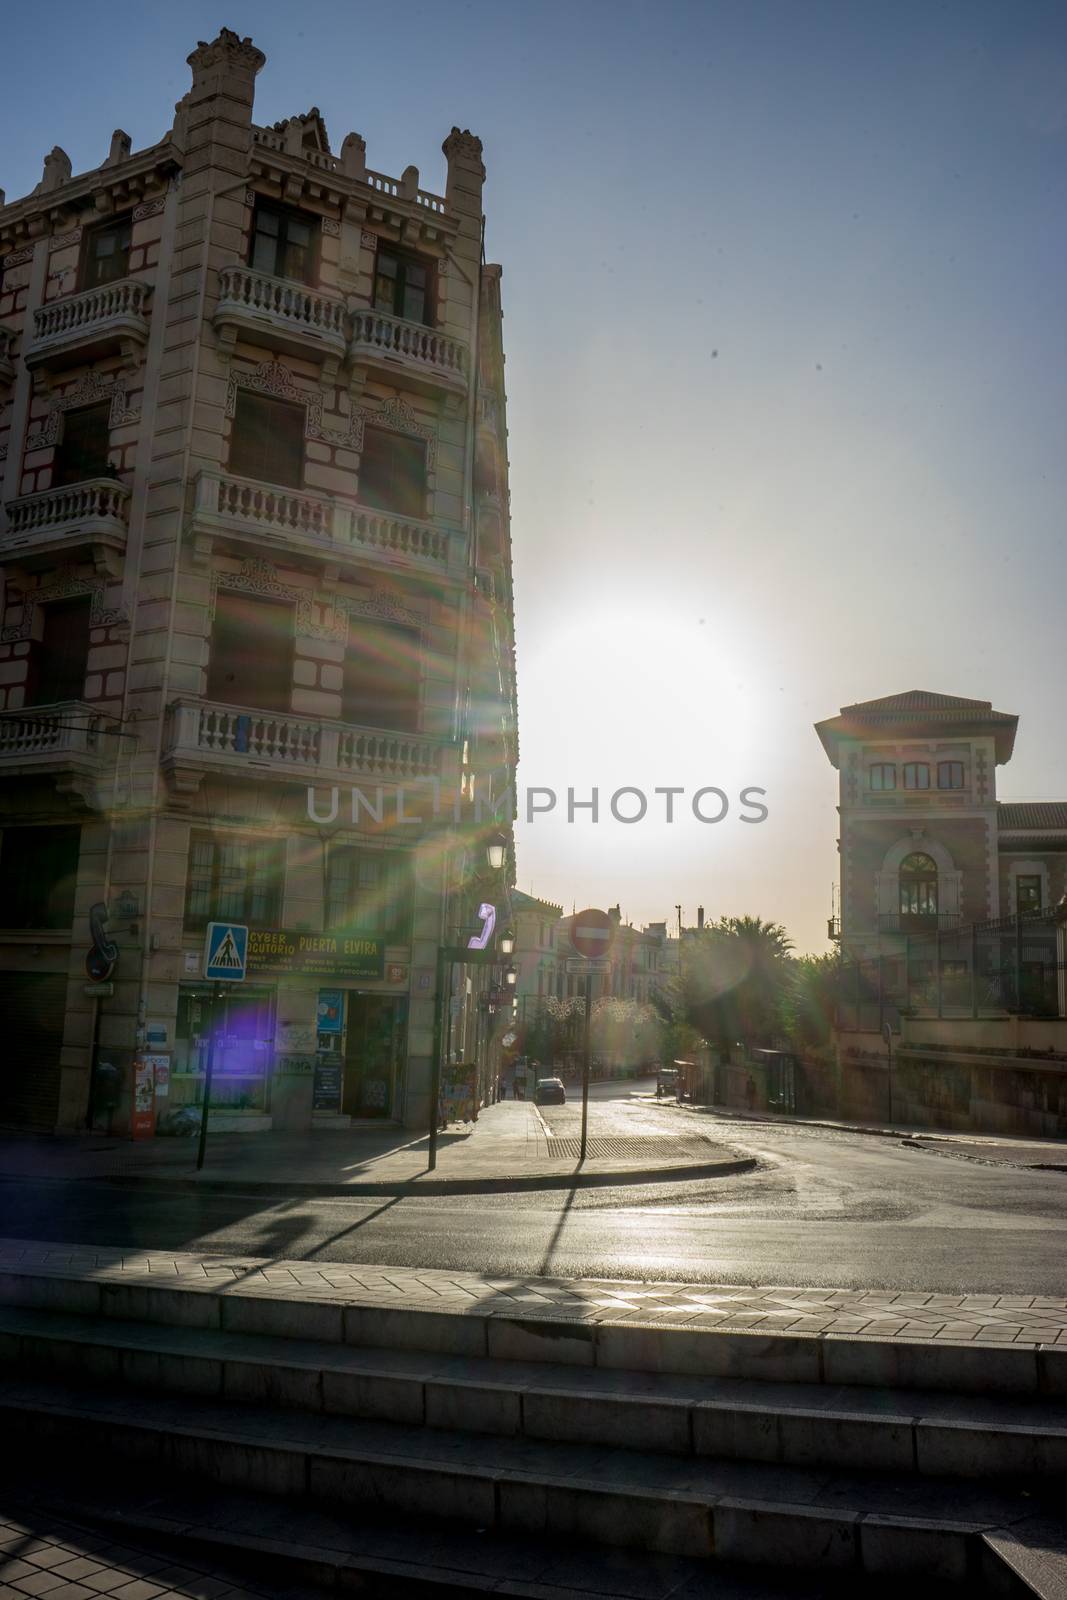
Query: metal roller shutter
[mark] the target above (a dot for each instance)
(32, 1006)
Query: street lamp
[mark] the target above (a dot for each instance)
(496, 850)
(506, 942)
(511, 975)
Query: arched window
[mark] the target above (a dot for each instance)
(950, 775)
(916, 775)
(883, 775)
(918, 890)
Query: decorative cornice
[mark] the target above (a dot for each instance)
(89, 389)
(66, 587)
(272, 378)
(316, 618)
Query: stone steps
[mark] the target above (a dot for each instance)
(731, 1450)
(795, 1424)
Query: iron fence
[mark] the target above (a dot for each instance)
(1013, 965)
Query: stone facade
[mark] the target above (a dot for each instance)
(169, 524)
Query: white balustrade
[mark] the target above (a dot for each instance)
(264, 508)
(232, 737)
(387, 755)
(85, 313)
(67, 728)
(411, 342)
(98, 502)
(293, 304)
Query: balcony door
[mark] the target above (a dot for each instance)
(61, 654)
(251, 652)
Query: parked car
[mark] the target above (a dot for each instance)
(550, 1092)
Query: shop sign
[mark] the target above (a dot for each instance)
(319, 955)
(397, 974)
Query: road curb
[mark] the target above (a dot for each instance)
(615, 1178)
(983, 1161)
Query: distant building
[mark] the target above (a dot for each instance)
(925, 844)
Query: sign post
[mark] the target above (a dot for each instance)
(225, 958)
(591, 934)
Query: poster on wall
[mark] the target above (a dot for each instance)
(331, 1011)
(143, 1117)
(328, 1082)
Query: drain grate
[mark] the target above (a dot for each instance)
(651, 1149)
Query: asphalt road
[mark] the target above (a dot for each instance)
(824, 1208)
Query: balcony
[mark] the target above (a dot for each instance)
(77, 517)
(65, 740)
(205, 737)
(96, 323)
(280, 313)
(268, 516)
(7, 366)
(427, 359)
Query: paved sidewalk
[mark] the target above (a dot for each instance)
(508, 1148)
(42, 1555)
(982, 1318)
(992, 1148)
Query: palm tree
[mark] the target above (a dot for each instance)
(733, 976)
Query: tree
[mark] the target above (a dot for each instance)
(810, 998)
(734, 974)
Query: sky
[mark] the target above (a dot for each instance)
(784, 319)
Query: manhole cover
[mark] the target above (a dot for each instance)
(652, 1150)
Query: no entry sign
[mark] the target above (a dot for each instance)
(592, 933)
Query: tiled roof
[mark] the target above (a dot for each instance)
(920, 700)
(1032, 814)
(914, 712)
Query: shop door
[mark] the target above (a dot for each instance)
(373, 1045)
(32, 1004)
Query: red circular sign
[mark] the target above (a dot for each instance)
(592, 933)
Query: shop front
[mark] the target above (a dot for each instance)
(242, 1022)
(360, 1046)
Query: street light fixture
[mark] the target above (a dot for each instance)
(506, 942)
(511, 976)
(496, 850)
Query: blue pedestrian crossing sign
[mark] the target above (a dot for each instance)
(226, 951)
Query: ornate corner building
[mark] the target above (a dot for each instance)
(926, 847)
(255, 547)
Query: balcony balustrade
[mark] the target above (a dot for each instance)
(78, 516)
(65, 740)
(94, 323)
(266, 515)
(208, 737)
(286, 314)
(430, 360)
(906, 922)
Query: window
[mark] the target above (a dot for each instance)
(1027, 893)
(234, 880)
(916, 775)
(381, 680)
(369, 891)
(884, 776)
(251, 652)
(403, 285)
(918, 888)
(38, 873)
(392, 473)
(59, 658)
(82, 450)
(950, 775)
(107, 254)
(267, 439)
(283, 243)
